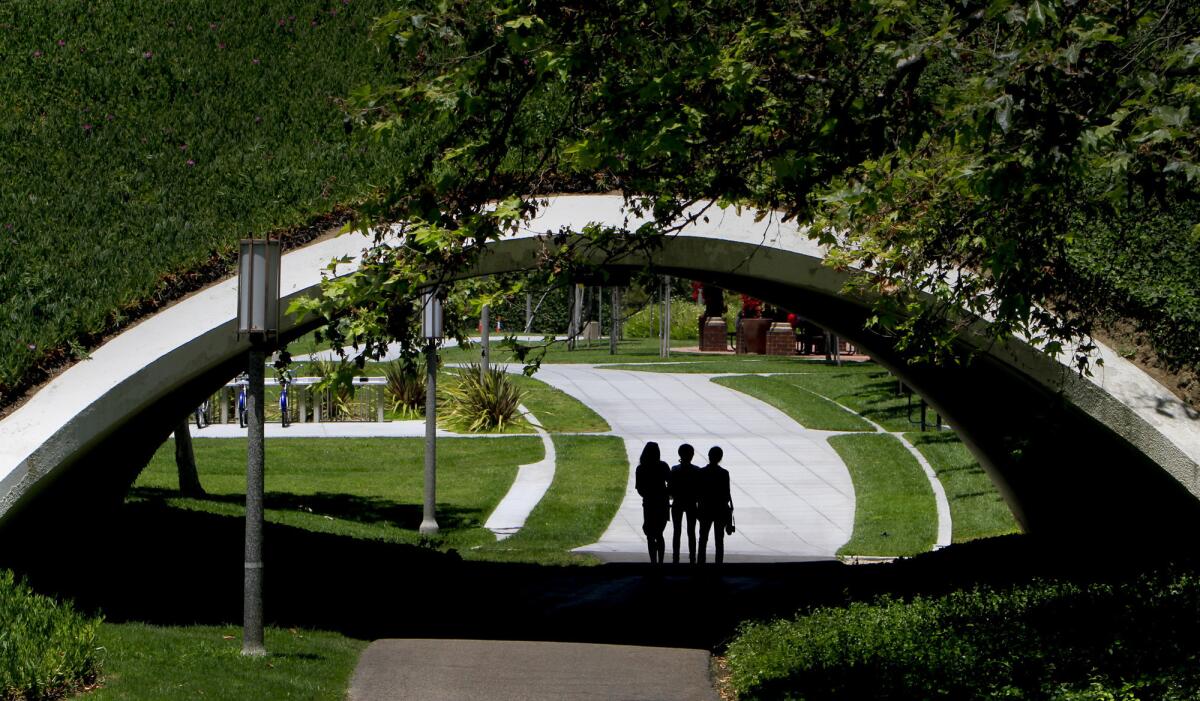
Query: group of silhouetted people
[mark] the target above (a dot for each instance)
(685, 491)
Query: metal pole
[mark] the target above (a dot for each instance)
(571, 318)
(485, 341)
(252, 604)
(612, 309)
(429, 524)
(666, 317)
(528, 311)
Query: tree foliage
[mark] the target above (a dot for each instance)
(960, 156)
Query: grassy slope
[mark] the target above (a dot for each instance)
(894, 509)
(364, 488)
(139, 138)
(557, 411)
(174, 662)
(808, 409)
(976, 508)
(588, 486)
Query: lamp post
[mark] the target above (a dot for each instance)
(431, 331)
(258, 319)
(485, 331)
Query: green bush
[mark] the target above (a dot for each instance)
(685, 324)
(47, 649)
(1045, 640)
(482, 402)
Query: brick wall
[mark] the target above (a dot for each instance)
(781, 340)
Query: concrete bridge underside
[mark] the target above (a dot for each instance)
(1110, 460)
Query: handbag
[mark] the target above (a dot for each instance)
(731, 527)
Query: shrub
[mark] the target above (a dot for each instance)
(406, 385)
(1045, 640)
(47, 649)
(684, 321)
(483, 403)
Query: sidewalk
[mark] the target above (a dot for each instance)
(504, 670)
(792, 495)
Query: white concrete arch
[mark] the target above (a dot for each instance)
(1071, 454)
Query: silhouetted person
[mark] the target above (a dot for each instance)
(683, 500)
(650, 478)
(714, 503)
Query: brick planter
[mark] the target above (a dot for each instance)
(712, 334)
(752, 336)
(781, 340)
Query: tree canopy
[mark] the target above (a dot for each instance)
(1033, 163)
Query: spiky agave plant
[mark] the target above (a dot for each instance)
(483, 402)
(406, 385)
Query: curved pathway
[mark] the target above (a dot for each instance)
(792, 495)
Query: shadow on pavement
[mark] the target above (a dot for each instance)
(166, 566)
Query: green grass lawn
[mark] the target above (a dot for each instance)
(140, 138)
(588, 486)
(557, 411)
(867, 389)
(693, 363)
(808, 409)
(205, 662)
(630, 350)
(976, 508)
(364, 488)
(895, 513)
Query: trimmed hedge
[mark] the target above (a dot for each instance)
(47, 649)
(1044, 640)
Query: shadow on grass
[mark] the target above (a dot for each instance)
(150, 562)
(344, 507)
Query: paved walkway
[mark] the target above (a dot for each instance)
(504, 670)
(527, 489)
(792, 495)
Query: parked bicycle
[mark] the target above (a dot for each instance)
(202, 415)
(285, 418)
(241, 402)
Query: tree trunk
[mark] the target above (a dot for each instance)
(185, 460)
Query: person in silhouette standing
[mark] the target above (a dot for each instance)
(650, 478)
(714, 503)
(683, 501)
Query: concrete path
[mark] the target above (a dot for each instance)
(500, 670)
(792, 495)
(527, 489)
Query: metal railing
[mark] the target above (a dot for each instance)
(368, 401)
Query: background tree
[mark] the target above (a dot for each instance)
(966, 158)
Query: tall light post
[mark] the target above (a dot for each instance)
(432, 332)
(485, 331)
(258, 319)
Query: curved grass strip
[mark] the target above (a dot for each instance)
(976, 508)
(368, 488)
(725, 365)
(589, 484)
(806, 408)
(557, 411)
(894, 511)
(205, 662)
(866, 389)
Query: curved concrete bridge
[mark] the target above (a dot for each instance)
(1084, 459)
